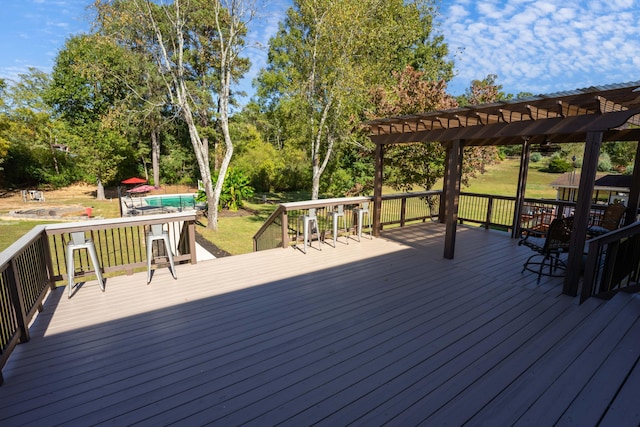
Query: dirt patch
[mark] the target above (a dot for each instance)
(240, 212)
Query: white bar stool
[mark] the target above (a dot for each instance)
(335, 219)
(361, 212)
(307, 221)
(78, 241)
(157, 233)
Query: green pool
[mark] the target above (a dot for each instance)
(186, 200)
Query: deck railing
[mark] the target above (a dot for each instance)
(31, 266)
(612, 263)
(497, 212)
(282, 229)
(488, 211)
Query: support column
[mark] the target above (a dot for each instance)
(634, 191)
(452, 191)
(442, 212)
(583, 206)
(522, 185)
(377, 189)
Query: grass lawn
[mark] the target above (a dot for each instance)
(235, 231)
(502, 179)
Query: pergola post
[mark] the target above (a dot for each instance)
(377, 189)
(634, 191)
(522, 185)
(581, 219)
(452, 191)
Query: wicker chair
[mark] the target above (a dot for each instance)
(611, 220)
(548, 249)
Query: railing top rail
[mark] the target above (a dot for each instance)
(305, 204)
(116, 222)
(20, 245)
(23, 242)
(411, 194)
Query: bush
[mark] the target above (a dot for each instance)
(604, 163)
(235, 191)
(559, 165)
(536, 157)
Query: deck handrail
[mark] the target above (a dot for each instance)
(32, 265)
(612, 264)
(279, 230)
(278, 221)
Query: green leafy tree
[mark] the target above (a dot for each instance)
(196, 46)
(4, 124)
(621, 153)
(325, 58)
(89, 95)
(420, 164)
(32, 133)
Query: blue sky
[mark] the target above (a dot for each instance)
(537, 46)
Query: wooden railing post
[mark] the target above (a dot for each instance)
(489, 212)
(48, 260)
(192, 241)
(18, 302)
(403, 211)
(285, 229)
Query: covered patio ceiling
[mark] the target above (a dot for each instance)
(559, 117)
(592, 115)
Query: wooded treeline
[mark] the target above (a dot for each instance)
(151, 91)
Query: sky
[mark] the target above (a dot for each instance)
(535, 46)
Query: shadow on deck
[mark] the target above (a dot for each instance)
(382, 331)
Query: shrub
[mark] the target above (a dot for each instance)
(559, 165)
(604, 162)
(235, 191)
(536, 157)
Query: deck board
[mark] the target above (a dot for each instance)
(385, 330)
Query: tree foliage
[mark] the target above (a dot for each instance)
(325, 58)
(196, 46)
(87, 92)
(418, 164)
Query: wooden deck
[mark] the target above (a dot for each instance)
(382, 331)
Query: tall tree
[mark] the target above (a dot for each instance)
(147, 106)
(4, 124)
(196, 46)
(88, 94)
(326, 56)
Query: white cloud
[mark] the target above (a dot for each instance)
(542, 45)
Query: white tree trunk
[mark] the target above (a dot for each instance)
(316, 152)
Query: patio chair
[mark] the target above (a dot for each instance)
(360, 212)
(611, 220)
(308, 221)
(548, 249)
(336, 216)
(157, 233)
(77, 242)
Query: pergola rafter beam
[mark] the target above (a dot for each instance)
(511, 116)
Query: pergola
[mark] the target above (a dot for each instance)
(592, 115)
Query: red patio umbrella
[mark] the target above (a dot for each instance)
(134, 181)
